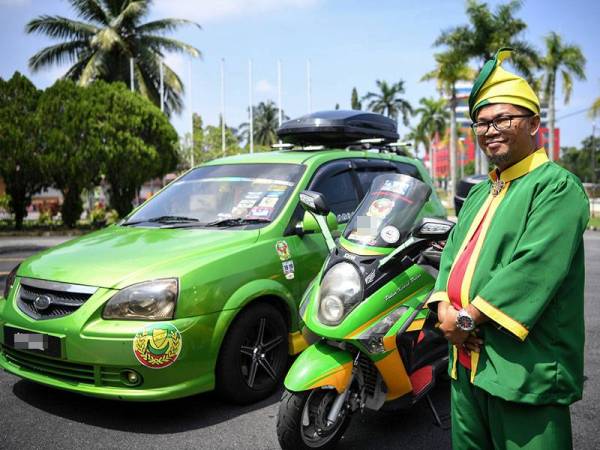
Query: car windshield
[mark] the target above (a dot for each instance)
(221, 196)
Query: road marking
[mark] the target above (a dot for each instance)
(11, 259)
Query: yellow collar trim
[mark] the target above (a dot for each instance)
(523, 167)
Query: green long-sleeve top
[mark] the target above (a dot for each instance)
(526, 273)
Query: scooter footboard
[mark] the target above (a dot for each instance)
(320, 365)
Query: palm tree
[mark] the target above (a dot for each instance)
(266, 122)
(419, 137)
(388, 102)
(451, 68)
(569, 61)
(434, 119)
(488, 31)
(595, 109)
(101, 44)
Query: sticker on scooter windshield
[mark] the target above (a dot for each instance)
(158, 345)
(390, 234)
(380, 207)
(288, 269)
(283, 250)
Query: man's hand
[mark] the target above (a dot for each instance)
(447, 316)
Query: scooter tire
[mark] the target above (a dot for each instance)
(289, 424)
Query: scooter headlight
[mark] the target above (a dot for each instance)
(341, 291)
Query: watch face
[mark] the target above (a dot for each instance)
(464, 322)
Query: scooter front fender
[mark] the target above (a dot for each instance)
(320, 365)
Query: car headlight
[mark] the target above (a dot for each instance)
(10, 280)
(151, 300)
(341, 291)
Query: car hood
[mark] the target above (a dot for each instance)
(119, 256)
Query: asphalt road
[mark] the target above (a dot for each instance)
(33, 416)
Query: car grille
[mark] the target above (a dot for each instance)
(50, 300)
(63, 370)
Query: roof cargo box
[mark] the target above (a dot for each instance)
(338, 128)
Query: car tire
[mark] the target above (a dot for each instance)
(254, 355)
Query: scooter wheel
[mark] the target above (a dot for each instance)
(302, 421)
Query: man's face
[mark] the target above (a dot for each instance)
(507, 147)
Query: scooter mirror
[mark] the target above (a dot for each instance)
(432, 228)
(310, 224)
(314, 202)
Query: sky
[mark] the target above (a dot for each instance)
(350, 43)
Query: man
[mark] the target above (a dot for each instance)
(509, 295)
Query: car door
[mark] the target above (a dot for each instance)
(338, 182)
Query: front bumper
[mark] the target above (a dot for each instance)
(97, 353)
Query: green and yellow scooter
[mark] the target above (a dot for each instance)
(374, 345)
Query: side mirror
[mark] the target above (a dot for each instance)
(314, 202)
(309, 223)
(433, 229)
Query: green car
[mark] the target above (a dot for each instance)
(198, 287)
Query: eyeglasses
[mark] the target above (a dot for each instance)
(501, 123)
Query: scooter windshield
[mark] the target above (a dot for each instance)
(387, 213)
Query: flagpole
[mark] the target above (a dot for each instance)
(308, 86)
(279, 92)
(223, 105)
(251, 138)
(162, 87)
(131, 80)
(191, 112)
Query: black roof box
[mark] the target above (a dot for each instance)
(338, 128)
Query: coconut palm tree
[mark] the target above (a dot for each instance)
(488, 31)
(266, 122)
(433, 119)
(595, 109)
(451, 67)
(388, 101)
(101, 44)
(569, 61)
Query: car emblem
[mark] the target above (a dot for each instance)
(42, 302)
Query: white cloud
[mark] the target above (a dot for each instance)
(215, 10)
(264, 87)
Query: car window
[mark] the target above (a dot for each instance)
(341, 194)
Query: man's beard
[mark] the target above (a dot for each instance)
(497, 159)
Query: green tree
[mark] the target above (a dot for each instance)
(188, 159)
(139, 142)
(568, 60)
(266, 122)
(101, 44)
(419, 136)
(21, 162)
(354, 100)
(388, 101)
(433, 119)
(488, 31)
(72, 141)
(213, 142)
(451, 67)
(595, 109)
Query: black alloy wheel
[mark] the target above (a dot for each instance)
(254, 355)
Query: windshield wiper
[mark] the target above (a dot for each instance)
(163, 219)
(238, 221)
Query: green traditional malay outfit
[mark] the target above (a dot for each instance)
(526, 273)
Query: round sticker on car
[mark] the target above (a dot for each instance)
(157, 346)
(390, 234)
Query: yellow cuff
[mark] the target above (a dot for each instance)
(439, 296)
(500, 318)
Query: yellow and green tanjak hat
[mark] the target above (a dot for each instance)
(496, 85)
